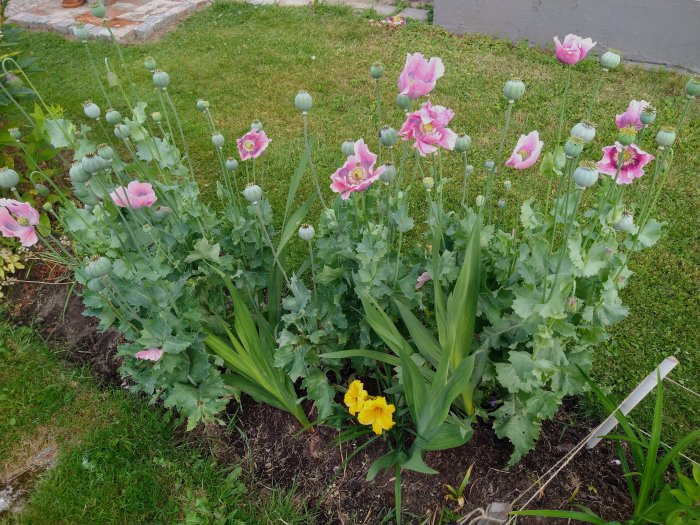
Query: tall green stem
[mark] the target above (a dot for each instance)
(465, 182)
(562, 108)
(492, 171)
(594, 97)
(567, 232)
(307, 146)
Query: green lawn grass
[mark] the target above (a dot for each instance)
(118, 461)
(249, 62)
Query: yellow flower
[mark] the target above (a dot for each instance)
(355, 397)
(376, 412)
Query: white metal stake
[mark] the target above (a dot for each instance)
(632, 400)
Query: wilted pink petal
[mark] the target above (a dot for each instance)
(573, 50)
(632, 116)
(428, 128)
(526, 151)
(252, 144)
(422, 279)
(633, 162)
(152, 354)
(18, 219)
(136, 195)
(358, 172)
(419, 75)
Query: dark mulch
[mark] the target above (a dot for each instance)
(269, 442)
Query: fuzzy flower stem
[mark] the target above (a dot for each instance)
(121, 59)
(182, 134)
(378, 94)
(567, 232)
(684, 112)
(562, 107)
(256, 207)
(313, 269)
(402, 166)
(465, 182)
(594, 97)
(97, 75)
(307, 146)
(166, 114)
(492, 171)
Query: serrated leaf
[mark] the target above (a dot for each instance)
(204, 250)
(60, 132)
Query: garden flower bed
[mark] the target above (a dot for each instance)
(430, 295)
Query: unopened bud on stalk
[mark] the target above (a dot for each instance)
(463, 143)
(666, 137)
(571, 304)
(91, 109)
(389, 174)
(161, 79)
(480, 200)
(428, 183)
(202, 105)
(403, 101)
(256, 125)
(231, 164)
(15, 133)
(42, 190)
(514, 90)
(388, 137)
(692, 87)
(113, 117)
(626, 136)
(348, 148)
(648, 115)
(303, 101)
(113, 79)
(13, 81)
(586, 175)
(584, 131)
(47, 206)
(8, 178)
(218, 140)
(376, 71)
(306, 232)
(609, 60)
(150, 63)
(573, 147)
(252, 193)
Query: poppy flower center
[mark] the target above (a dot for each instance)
(22, 221)
(249, 145)
(427, 128)
(524, 154)
(628, 158)
(357, 174)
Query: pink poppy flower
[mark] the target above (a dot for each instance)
(252, 144)
(422, 279)
(358, 173)
(136, 195)
(152, 354)
(428, 127)
(633, 162)
(573, 50)
(18, 219)
(631, 117)
(419, 75)
(526, 151)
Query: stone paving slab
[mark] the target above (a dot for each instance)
(137, 20)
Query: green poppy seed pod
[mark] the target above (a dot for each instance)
(156, 116)
(256, 125)
(98, 10)
(303, 101)
(42, 190)
(122, 131)
(666, 137)
(428, 183)
(609, 60)
(376, 71)
(15, 133)
(463, 143)
(218, 140)
(480, 200)
(252, 193)
(306, 232)
(98, 268)
(692, 87)
(571, 305)
(91, 163)
(514, 90)
(8, 178)
(96, 285)
(584, 131)
(469, 169)
(403, 101)
(648, 115)
(105, 152)
(501, 203)
(161, 213)
(14, 81)
(388, 137)
(150, 63)
(626, 223)
(91, 110)
(389, 174)
(573, 147)
(507, 185)
(585, 175)
(231, 164)
(113, 117)
(77, 174)
(81, 32)
(113, 79)
(626, 136)
(161, 79)
(47, 205)
(489, 164)
(202, 105)
(348, 148)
